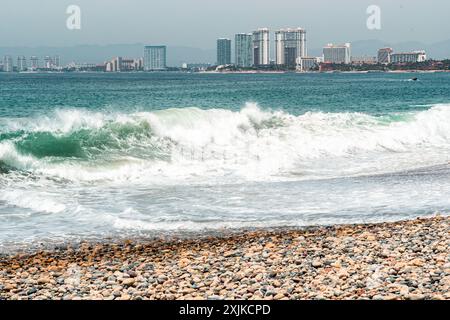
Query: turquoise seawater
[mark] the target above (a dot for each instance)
(90, 156)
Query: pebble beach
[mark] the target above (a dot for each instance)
(388, 261)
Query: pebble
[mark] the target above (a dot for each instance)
(317, 263)
(43, 280)
(128, 281)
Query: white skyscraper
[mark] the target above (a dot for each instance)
(261, 47)
(8, 65)
(34, 62)
(290, 44)
(243, 50)
(21, 63)
(337, 53)
(155, 58)
(56, 62)
(48, 62)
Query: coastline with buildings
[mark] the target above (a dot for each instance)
(251, 53)
(335, 59)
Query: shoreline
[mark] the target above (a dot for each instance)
(252, 72)
(399, 260)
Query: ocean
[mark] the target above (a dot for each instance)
(114, 156)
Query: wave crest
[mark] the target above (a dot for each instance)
(180, 143)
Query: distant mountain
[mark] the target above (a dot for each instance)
(368, 47)
(98, 54)
(442, 49)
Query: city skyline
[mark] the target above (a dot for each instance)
(291, 53)
(177, 55)
(288, 48)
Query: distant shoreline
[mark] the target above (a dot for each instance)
(327, 72)
(401, 260)
(235, 72)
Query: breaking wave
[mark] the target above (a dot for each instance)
(194, 143)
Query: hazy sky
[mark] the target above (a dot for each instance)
(198, 23)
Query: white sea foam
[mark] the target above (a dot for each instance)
(10, 157)
(250, 144)
(32, 200)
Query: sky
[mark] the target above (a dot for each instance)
(198, 23)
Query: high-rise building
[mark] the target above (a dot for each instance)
(223, 51)
(56, 62)
(47, 62)
(384, 55)
(261, 47)
(138, 64)
(34, 62)
(290, 44)
(409, 57)
(155, 58)
(21, 63)
(337, 53)
(8, 65)
(51, 62)
(117, 64)
(127, 65)
(243, 50)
